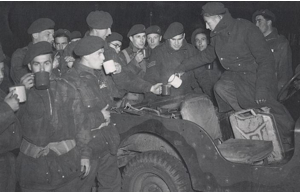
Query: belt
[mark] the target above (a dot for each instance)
(35, 151)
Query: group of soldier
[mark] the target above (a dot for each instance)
(64, 133)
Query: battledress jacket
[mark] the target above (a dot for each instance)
(53, 115)
(17, 69)
(282, 52)
(248, 62)
(95, 92)
(163, 62)
(10, 128)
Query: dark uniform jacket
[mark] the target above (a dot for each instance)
(163, 62)
(10, 128)
(17, 69)
(282, 52)
(53, 115)
(95, 94)
(248, 62)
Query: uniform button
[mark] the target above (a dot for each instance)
(237, 57)
(221, 59)
(63, 176)
(94, 136)
(13, 131)
(88, 106)
(58, 170)
(244, 73)
(227, 67)
(239, 64)
(47, 173)
(106, 143)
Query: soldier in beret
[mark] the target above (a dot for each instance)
(127, 80)
(54, 155)
(88, 78)
(135, 58)
(167, 57)
(249, 79)
(10, 134)
(206, 76)
(279, 45)
(153, 34)
(115, 41)
(62, 37)
(41, 30)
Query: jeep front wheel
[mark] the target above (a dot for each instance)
(155, 171)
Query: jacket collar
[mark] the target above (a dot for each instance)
(224, 25)
(272, 35)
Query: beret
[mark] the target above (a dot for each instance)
(41, 24)
(99, 20)
(174, 29)
(138, 28)
(40, 48)
(61, 32)
(75, 35)
(198, 31)
(153, 29)
(265, 13)
(2, 57)
(213, 8)
(88, 45)
(114, 37)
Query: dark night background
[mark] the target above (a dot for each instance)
(16, 17)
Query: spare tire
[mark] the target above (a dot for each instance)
(155, 171)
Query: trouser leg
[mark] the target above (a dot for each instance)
(226, 90)
(108, 176)
(7, 172)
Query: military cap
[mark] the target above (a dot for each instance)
(198, 31)
(174, 29)
(138, 28)
(2, 57)
(41, 24)
(99, 20)
(88, 45)
(114, 37)
(265, 13)
(40, 48)
(75, 35)
(153, 29)
(62, 32)
(214, 8)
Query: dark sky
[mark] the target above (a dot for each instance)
(16, 17)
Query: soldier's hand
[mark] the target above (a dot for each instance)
(156, 89)
(118, 68)
(12, 100)
(106, 113)
(56, 61)
(70, 61)
(261, 97)
(28, 80)
(85, 166)
(139, 56)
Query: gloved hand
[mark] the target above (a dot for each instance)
(261, 96)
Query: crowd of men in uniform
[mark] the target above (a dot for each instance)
(64, 132)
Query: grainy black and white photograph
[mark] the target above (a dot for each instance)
(149, 96)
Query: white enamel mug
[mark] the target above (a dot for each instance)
(175, 81)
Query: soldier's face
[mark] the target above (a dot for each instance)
(46, 35)
(41, 63)
(60, 43)
(1, 72)
(177, 41)
(261, 23)
(153, 40)
(201, 41)
(138, 40)
(96, 59)
(212, 21)
(116, 45)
